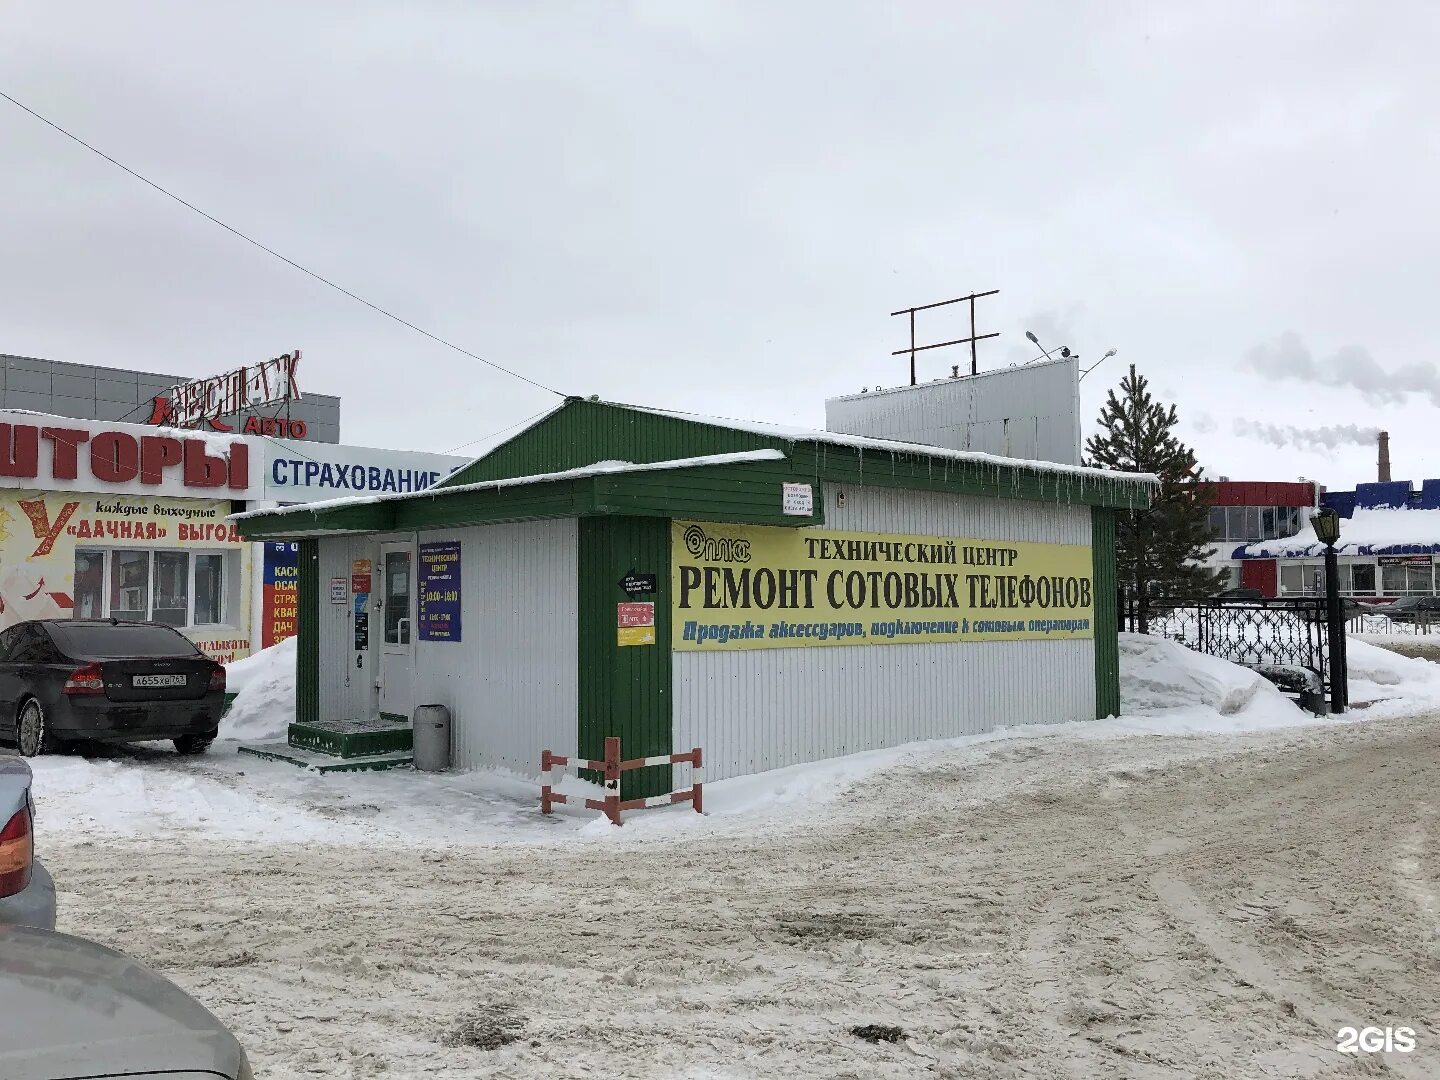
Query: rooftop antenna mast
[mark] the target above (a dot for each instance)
(971, 340)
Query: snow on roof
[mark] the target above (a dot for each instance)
(1369, 532)
(599, 468)
(836, 438)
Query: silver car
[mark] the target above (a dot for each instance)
(27, 895)
(74, 1009)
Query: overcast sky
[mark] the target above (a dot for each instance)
(714, 206)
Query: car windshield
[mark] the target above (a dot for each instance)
(120, 639)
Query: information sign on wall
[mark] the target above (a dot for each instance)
(278, 593)
(635, 623)
(439, 587)
(797, 500)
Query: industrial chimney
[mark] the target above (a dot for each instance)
(1383, 466)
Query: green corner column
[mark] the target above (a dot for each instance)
(307, 633)
(1107, 621)
(625, 690)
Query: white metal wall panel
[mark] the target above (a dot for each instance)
(768, 708)
(512, 682)
(1032, 412)
(928, 513)
(344, 688)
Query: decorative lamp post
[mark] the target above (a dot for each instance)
(1326, 524)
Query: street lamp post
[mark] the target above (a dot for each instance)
(1326, 524)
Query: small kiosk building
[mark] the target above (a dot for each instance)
(772, 596)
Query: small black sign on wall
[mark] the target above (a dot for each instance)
(634, 584)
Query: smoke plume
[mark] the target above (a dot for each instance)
(1353, 367)
(1328, 438)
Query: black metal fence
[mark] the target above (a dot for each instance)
(1273, 636)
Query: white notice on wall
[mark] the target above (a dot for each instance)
(797, 499)
(337, 590)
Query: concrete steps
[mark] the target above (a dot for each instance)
(326, 763)
(342, 746)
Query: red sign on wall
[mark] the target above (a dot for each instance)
(635, 614)
(28, 451)
(360, 580)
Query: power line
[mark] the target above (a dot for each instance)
(271, 251)
(494, 434)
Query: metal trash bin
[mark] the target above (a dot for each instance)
(432, 738)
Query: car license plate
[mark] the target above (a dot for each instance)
(157, 680)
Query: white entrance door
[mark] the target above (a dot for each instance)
(397, 630)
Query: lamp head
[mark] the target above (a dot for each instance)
(1326, 523)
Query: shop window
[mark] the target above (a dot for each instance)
(1363, 580)
(1267, 523)
(130, 585)
(1420, 578)
(209, 589)
(89, 588)
(1235, 523)
(1217, 523)
(170, 587)
(1407, 579)
(1302, 579)
(1292, 580)
(1288, 521)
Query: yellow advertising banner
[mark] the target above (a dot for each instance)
(752, 587)
(74, 555)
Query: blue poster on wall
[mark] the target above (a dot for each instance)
(439, 588)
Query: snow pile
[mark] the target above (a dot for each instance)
(1378, 675)
(1158, 675)
(1370, 531)
(265, 687)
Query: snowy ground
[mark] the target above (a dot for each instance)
(1206, 890)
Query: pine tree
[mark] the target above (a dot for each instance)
(1158, 551)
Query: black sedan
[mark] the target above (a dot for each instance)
(62, 681)
(1416, 609)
